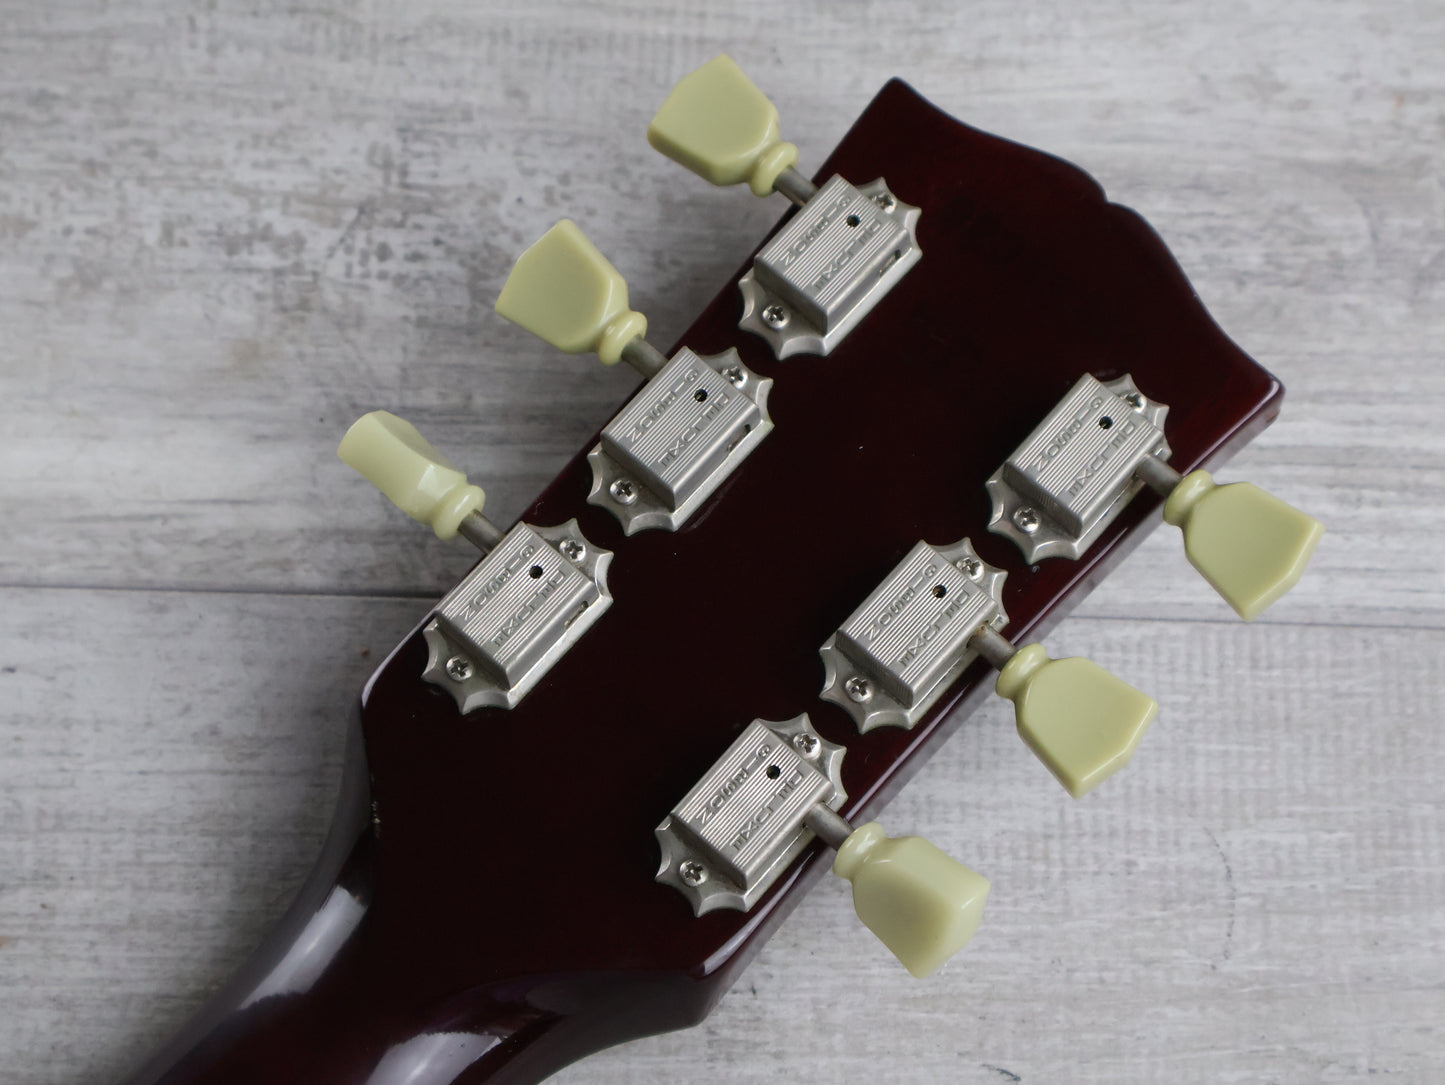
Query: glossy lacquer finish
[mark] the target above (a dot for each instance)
(505, 920)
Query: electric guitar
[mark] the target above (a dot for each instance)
(947, 394)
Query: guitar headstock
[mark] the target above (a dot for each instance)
(938, 404)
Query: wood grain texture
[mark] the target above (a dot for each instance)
(226, 232)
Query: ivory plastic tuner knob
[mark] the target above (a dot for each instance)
(1250, 545)
(719, 125)
(922, 904)
(390, 454)
(1081, 721)
(565, 291)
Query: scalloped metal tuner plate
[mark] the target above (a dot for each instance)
(829, 266)
(685, 431)
(1059, 490)
(899, 650)
(503, 627)
(742, 824)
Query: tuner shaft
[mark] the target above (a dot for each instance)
(481, 532)
(1157, 475)
(993, 646)
(643, 357)
(831, 827)
(795, 186)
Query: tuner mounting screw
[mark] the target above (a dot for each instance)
(807, 745)
(459, 668)
(775, 316)
(885, 200)
(692, 872)
(736, 375)
(1027, 520)
(858, 689)
(970, 567)
(573, 550)
(623, 491)
(1135, 400)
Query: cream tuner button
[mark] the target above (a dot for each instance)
(1250, 545)
(719, 125)
(389, 453)
(921, 903)
(565, 291)
(1081, 721)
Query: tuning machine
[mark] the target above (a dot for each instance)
(686, 429)
(777, 787)
(535, 592)
(845, 249)
(1101, 445)
(933, 615)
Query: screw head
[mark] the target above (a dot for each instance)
(692, 872)
(623, 491)
(775, 316)
(459, 668)
(735, 374)
(1026, 520)
(858, 689)
(970, 567)
(807, 745)
(1135, 400)
(573, 550)
(885, 200)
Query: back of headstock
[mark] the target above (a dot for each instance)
(511, 902)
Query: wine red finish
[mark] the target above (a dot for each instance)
(508, 918)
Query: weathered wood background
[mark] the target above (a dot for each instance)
(226, 230)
